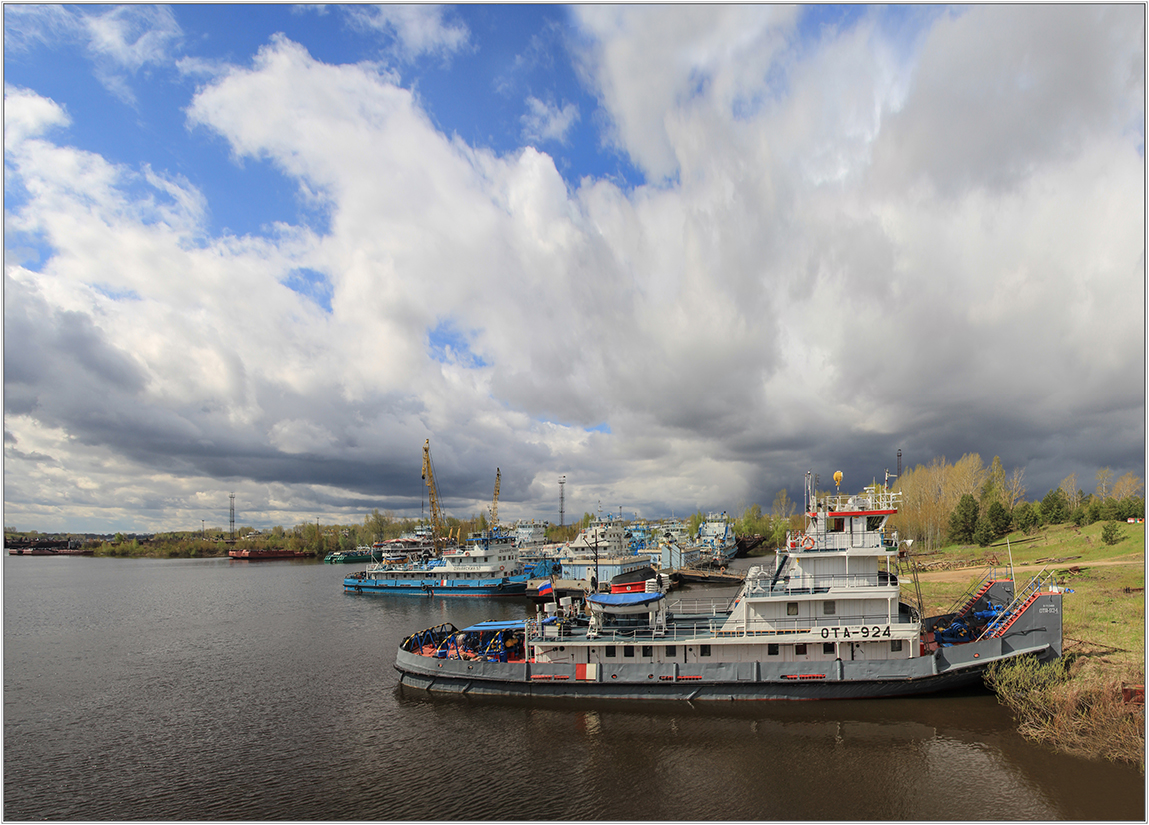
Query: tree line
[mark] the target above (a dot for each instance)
(969, 503)
(962, 503)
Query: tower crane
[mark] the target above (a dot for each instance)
(495, 504)
(438, 524)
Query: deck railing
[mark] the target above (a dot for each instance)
(826, 542)
(873, 498)
(820, 584)
(708, 619)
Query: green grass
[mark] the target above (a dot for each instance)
(1106, 610)
(1056, 541)
(1076, 705)
(1107, 606)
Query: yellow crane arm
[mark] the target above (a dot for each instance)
(438, 524)
(495, 504)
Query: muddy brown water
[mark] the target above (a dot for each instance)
(221, 690)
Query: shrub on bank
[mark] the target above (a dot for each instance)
(1076, 708)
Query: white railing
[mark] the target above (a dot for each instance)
(873, 498)
(876, 627)
(829, 542)
(808, 584)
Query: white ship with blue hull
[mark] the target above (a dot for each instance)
(825, 622)
(487, 565)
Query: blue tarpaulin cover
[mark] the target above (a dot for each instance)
(624, 598)
(496, 626)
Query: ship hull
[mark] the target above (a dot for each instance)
(267, 555)
(436, 587)
(748, 681)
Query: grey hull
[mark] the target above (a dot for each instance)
(748, 681)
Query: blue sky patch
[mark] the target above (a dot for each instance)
(448, 345)
(310, 284)
(117, 294)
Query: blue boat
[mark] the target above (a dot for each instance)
(487, 565)
(716, 539)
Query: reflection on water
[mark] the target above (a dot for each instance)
(223, 690)
(935, 759)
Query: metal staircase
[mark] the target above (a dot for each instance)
(1028, 595)
(969, 598)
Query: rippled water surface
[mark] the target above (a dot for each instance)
(212, 689)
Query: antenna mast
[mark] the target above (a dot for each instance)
(562, 481)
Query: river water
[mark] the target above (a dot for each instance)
(221, 690)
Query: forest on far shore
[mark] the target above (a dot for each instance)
(964, 502)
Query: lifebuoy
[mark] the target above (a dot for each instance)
(502, 567)
(808, 543)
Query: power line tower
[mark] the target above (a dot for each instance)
(232, 497)
(562, 481)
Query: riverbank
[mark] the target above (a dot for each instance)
(1078, 706)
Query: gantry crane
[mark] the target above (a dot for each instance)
(495, 505)
(438, 524)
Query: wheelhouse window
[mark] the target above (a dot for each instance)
(828, 608)
(771, 650)
(828, 648)
(672, 650)
(895, 645)
(704, 650)
(609, 651)
(791, 608)
(799, 650)
(648, 651)
(628, 651)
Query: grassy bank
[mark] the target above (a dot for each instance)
(1075, 706)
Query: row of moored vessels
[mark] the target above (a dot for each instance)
(826, 620)
(503, 562)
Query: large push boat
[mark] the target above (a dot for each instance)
(826, 621)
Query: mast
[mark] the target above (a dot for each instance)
(495, 505)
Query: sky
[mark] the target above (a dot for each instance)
(675, 254)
